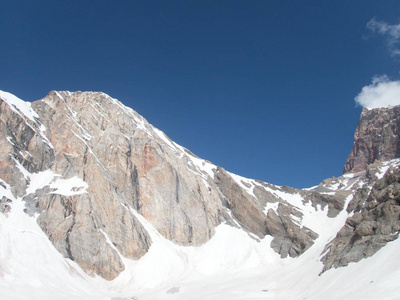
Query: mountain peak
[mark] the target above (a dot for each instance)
(106, 193)
(376, 138)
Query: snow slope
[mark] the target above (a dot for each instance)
(232, 265)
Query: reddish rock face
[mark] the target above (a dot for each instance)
(376, 138)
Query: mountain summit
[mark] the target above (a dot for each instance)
(376, 138)
(94, 195)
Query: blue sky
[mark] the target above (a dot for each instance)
(264, 89)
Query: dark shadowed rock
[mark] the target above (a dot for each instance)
(375, 222)
(289, 238)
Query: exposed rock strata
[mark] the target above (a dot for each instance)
(86, 166)
(374, 209)
(247, 210)
(289, 238)
(375, 222)
(376, 138)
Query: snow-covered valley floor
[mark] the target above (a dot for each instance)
(232, 265)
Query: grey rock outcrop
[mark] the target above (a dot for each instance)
(289, 238)
(375, 222)
(374, 209)
(376, 138)
(247, 210)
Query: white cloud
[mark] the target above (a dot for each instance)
(381, 93)
(391, 32)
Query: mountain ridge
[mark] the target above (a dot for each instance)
(119, 185)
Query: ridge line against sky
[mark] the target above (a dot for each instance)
(264, 89)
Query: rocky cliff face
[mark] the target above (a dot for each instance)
(373, 218)
(90, 170)
(107, 188)
(87, 167)
(376, 138)
(374, 209)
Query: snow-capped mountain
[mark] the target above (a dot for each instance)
(96, 203)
